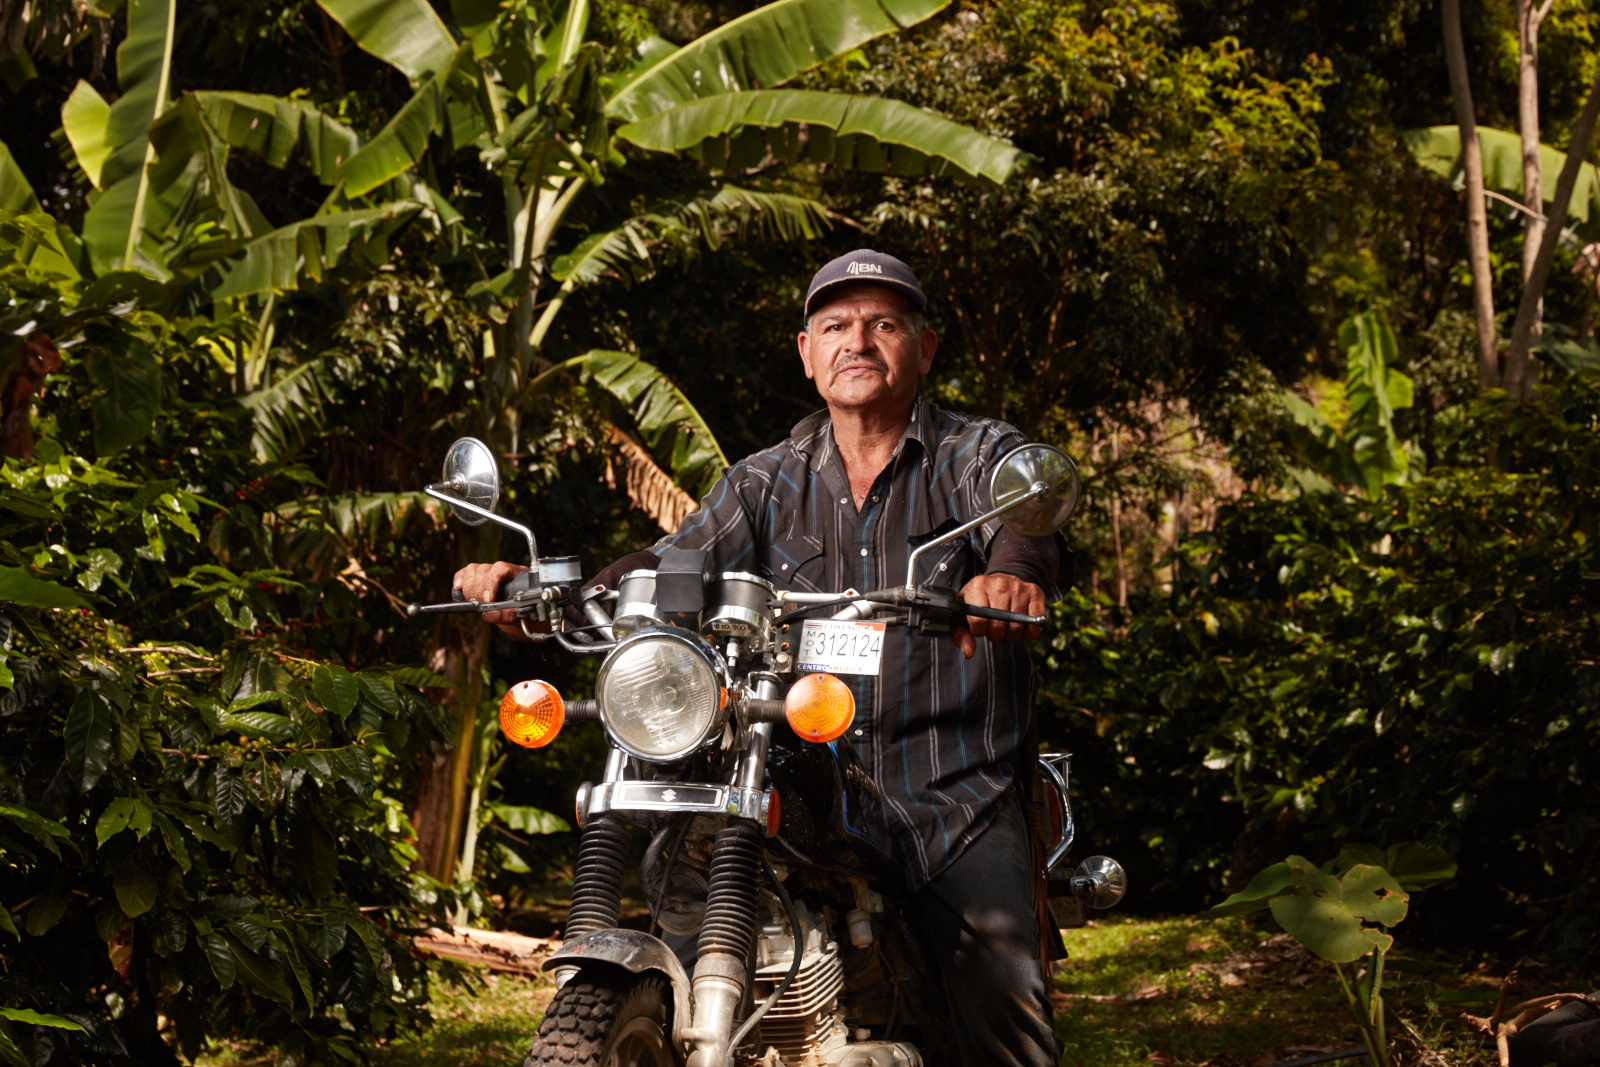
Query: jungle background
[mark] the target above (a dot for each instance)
(262, 262)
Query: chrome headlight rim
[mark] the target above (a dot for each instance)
(707, 655)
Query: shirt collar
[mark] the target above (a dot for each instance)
(813, 435)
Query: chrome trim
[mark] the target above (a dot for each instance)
(690, 797)
(739, 619)
(630, 616)
(1059, 775)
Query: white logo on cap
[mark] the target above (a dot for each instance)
(863, 268)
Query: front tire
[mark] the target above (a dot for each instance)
(600, 1019)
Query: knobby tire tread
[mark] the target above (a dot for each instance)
(582, 1015)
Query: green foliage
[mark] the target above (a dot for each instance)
(763, 49)
(1365, 452)
(740, 129)
(1337, 668)
(196, 820)
(1327, 912)
(1438, 149)
(659, 408)
(1151, 240)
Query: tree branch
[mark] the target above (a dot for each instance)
(1518, 382)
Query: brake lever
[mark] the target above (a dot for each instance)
(933, 611)
(463, 607)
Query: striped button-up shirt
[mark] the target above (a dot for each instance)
(943, 736)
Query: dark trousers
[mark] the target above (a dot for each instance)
(979, 916)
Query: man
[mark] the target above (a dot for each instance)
(946, 736)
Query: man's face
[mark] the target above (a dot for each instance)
(863, 352)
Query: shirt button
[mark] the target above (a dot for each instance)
(785, 566)
(860, 732)
(874, 498)
(863, 552)
(844, 500)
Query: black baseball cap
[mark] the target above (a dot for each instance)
(865, 267)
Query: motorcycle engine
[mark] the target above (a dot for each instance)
(805, 1028)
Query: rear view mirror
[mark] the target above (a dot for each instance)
(1014, 489)
(470, 475)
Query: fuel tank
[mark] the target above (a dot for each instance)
(832, 814)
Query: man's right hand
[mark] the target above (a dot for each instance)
(481, 582)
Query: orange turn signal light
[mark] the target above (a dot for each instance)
(532, 713)
(819, 707)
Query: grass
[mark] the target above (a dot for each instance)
(1175, 992)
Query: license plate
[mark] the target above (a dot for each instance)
(838, 646)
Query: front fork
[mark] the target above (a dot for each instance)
(728, 935)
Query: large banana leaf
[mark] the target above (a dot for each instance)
(309, 248)
(85, 118)
(663, 414)
(142, 205)
(32, 237)
(144, 74)
(274, 128)
(407, 34)
(1438, 148)
(119, 225)
(629, 250)
(1365, 452)
(16, 194)
(763, 49)
(288, 413)
(400, 144)
(738, 129)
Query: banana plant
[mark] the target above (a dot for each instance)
(1364, 452)
(162, 203)
(1438, 149)
(552, 123)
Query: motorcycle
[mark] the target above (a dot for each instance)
(784, 934)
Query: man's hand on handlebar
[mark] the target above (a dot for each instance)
(1006, 592)
(482, 582)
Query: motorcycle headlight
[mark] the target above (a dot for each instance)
(661, 694)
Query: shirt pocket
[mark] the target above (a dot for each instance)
(799, 559)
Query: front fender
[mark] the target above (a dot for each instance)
(636, 952)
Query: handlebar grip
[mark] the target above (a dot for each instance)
(758, 710)
(582, 711)
(1003, 616)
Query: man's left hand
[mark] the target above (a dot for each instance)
(1006, 592)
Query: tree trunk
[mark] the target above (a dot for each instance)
(1455, 51)
(469, 691)
(430, 817)
(1518, 381)
(1529, 17)
(1116, 530)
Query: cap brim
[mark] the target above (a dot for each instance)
(917, 296)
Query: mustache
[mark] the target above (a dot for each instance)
(859, 362)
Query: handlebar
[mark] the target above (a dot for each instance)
(758, 710)
(1002, 616)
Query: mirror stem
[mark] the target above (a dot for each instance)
(1037, 490)
(439, 491)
